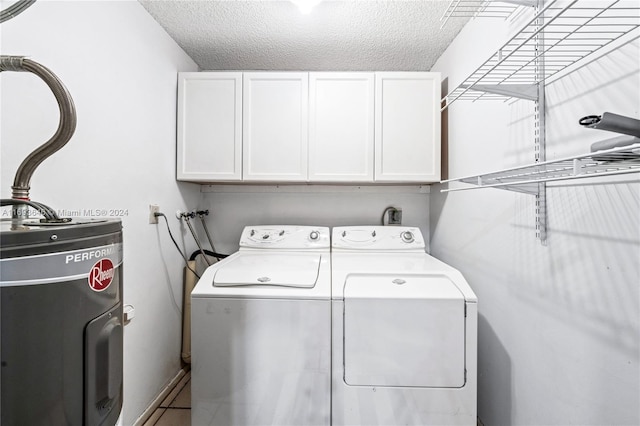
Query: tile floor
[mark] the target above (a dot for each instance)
(175, 410)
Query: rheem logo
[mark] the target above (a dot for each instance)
(101, 275)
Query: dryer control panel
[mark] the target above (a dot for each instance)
(381, 238)
(284, 237)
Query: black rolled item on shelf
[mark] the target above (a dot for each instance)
(613, 123)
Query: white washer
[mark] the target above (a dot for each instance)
(404, 332)
(261, 331)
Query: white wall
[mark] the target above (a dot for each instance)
(231, 208)
(120, 67)
(559, 323)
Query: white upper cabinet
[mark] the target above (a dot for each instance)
(209, 133)
(341, 126)
(347, 127)
(275, 124)
(407, 138)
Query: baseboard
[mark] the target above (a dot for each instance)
(161, 396)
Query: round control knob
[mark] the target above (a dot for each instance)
(407, 236)
(314, 235)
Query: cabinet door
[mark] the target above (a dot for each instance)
(209, 126)
(407, 135)
(275, 139)
(341, 127)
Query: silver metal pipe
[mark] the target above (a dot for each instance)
(201, 215)
(195, 237)
(66, 125)
(15, 9)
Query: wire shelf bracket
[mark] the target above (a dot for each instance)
(520, 91)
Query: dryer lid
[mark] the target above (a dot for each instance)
(289, 270)
(401, 286)
(404, 331)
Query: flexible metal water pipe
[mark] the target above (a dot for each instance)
(15, 9)
(187, 218)
(66, 125)
(201, 214)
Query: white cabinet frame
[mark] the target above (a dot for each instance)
(407, 135)
(275, 126)
(341, 126)
(209, 126)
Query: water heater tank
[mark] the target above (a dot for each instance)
(61, 323)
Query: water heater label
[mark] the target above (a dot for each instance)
(101, 275)
(98, 265)
(90, 254)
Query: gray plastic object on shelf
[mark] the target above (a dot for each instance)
(613, 123)
(616, 142)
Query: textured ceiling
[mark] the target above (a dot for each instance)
(337, 35)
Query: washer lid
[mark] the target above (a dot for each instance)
(273, 269)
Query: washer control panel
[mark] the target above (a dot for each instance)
(285, 237)
(384, 238)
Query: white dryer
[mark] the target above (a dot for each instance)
(404, 332)
(261, 331)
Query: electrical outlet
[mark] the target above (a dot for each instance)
(153, 219)
(395, 216)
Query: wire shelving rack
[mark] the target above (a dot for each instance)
(560, 34)
(481, 8)
(525, 179)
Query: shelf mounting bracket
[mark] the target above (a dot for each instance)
(530, 3)
(520, 91)
(540, 134)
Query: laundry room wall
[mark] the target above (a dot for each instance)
(231, 208)
(121, 69)
(558, 322)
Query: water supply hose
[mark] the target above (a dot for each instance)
(201, 214)
(218, 256)
(186, 217)
(15, 9)
(66, 125)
